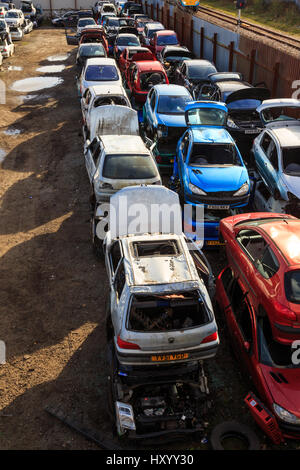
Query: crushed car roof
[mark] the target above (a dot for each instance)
(132, 144)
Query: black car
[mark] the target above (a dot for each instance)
(171, 57)
(131, 9)
(192, 73)
(68, 19)
(114, 23)
(241, 98)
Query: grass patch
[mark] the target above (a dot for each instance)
(278, 14)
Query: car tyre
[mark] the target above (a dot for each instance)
(233, 429)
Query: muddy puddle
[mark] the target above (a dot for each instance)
(12, 131)
(51, 69)
(58, 58)
(35, 84)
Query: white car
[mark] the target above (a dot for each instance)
(14, 18)
(7, 47)
(4, 28)
(98, 71)
(84, 23)
(28, 26)
(116, 161)
(17, 33)
(97, 96)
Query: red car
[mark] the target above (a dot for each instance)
(133, 54)
(263, 249)
(272, 366)
(162, 39)
(94, 35)
(142, 76)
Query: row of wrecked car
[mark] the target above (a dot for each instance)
(160, 312)
(15, 23)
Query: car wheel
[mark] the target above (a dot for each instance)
(236, 434)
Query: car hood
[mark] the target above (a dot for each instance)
(292, 183)
(172, 120)
(284, 394)
(212, 179)
(252, 93)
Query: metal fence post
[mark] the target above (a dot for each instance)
(215, 43)
(275, 79)
(175, 22)
(157, 12)
(252, 65)
(192, 36)
(231, 52)
(182, 31)
(202, 43)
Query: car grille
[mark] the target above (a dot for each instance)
(221, 194)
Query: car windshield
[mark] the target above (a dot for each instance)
(100, 73)
(92, 51)
(11, 14)
(131, 167)
(172, 104)
(206, 117)
(292, 286)
(281, 113)
(113, 22)
(290, 161)
(151, 32)
(166, 312)
(214, 155)
(175, 58)
(271, 352)
(86, 22)
(242, 104)
(128, 41)
(167, 40)
(200, 71)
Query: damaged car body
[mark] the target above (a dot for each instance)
(160, 322)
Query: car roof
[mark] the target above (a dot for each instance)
(107, 90)
(285, 234)
(127, 144)
(165, 32)
(126, 35)
(211, 135)
(153, 25)
(157, 269)
(100, 61)
(288, 136)
(197, 62)
(171, 90)
(232, 85)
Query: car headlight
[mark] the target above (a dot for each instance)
(243, 190)
(125, 416)
(285, 415)
(231, 123)
(196, 190)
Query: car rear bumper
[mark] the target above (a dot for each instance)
(155, 359)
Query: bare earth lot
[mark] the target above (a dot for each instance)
(53, 290)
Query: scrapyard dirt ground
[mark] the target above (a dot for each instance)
(53, 289)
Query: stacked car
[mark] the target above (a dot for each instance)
(149, 106)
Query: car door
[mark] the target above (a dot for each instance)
(117, 288)
(91, 155)
(266, 159)
(85, 100)
(150, 108)
(241, 325)
(182, 155)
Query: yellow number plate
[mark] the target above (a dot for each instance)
(169, 357)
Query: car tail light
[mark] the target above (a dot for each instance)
(126, 345)
(210, 338)
(284, 312)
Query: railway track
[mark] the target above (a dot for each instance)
(252, 27)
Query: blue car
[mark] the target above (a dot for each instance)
(164, 120)
(209, 168)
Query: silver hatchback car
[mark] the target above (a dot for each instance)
(159, 311)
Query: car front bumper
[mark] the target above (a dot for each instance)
(214, 202)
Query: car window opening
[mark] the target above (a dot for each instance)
(159, 248)
(159, 313)
(214, 155)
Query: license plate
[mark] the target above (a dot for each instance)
(221, 208)
(251, 131)
(214, 242)
(169, 357)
